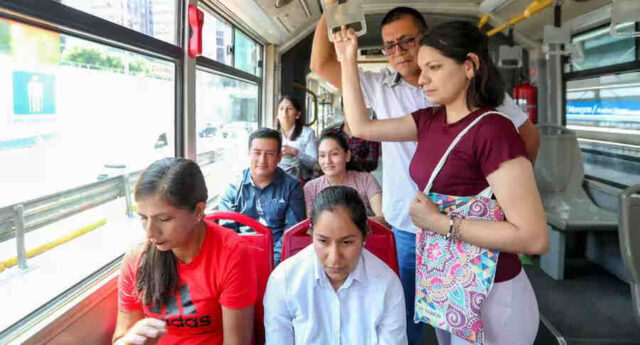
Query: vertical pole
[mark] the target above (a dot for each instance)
(554, 76)
(127, 194)
(19, 222)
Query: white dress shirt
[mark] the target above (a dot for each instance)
(302, 308)
(390, 97)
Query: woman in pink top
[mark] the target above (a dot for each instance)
(457, 74)
(334, 157)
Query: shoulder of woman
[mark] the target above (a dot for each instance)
(497, 122)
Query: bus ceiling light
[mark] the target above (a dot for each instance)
(624, 11)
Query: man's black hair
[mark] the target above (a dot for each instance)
(266, 133)
(401, 12)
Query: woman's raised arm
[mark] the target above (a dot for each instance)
(355, 111)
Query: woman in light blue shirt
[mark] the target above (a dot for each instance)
(335, 291)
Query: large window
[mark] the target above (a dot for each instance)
(601, 49)
(247, 54)
(217, 34)
(85, 105)
(226, 113)
(603, 105)
(73, 114)
(156, 18)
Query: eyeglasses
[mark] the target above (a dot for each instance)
(404, 44)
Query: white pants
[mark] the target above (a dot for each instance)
(510, 315)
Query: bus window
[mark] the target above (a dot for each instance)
(226, 113)
(217, 34)
(601, 49)
(155, 18)
(76, 116)
(248, 54)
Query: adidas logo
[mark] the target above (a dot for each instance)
(173, 304)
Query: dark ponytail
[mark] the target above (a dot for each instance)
(456, 40)
(181, 183)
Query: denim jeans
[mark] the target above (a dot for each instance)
(406, 247)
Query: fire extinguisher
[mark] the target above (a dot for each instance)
(525, 97)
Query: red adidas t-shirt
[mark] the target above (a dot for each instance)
(491, 142)
(221, 274)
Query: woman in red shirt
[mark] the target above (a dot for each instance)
(192, 281)
(458, 75)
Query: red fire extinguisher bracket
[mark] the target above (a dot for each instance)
(196, 20)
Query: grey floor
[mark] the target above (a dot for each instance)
(589, 307)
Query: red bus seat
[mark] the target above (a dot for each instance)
(261, 254)
(380, 242)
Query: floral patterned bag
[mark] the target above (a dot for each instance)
(453, 278)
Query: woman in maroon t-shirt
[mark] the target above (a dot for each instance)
(457, 74)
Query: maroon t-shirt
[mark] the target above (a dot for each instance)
(491, 142)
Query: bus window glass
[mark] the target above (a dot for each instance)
(75, 118)
(226, 113)
(156, 18)
(247, 54)
(600, 49)
(216, 39)
(605, 112)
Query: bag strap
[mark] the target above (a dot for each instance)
(487, 192)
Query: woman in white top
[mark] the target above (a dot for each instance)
(298, 141)
(335, 291)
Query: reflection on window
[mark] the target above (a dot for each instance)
(73, 113)
(156, 18)
(226, 113)
(601, 49)
(611, 161)
(216, 38)
(247, 54)
(611, 101)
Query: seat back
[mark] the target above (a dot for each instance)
(261, 254)
(558, 166)
(380, 242)
(629, 234)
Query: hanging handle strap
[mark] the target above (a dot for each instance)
(487, 192)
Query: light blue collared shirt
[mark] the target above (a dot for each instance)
(301, 306)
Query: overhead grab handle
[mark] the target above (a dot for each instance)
(347, 13)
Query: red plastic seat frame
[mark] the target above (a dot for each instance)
(380, 242)
(261, 254)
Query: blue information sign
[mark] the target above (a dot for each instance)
(33, 93)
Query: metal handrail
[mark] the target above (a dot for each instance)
(18, 219)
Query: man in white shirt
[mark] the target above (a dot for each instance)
(395, 94)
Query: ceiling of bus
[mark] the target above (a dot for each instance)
(292, 20)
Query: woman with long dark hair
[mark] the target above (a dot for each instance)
(464, 147)
(299, 155)
(335, 288)
(334, 158)
(191, 281)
